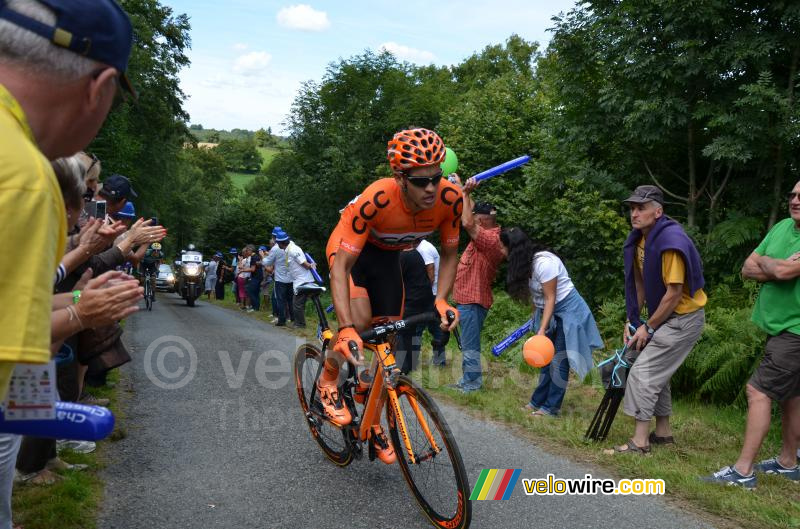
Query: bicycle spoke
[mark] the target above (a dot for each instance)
(331, 440)
(437, 478)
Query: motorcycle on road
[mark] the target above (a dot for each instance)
(190, 281)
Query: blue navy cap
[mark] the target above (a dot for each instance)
(276, 230)
(262, 248)
(117, 186)
(281, 236)
(218, 254)
(233, 250)
(97, 29)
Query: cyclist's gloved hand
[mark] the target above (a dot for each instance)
(342, 345)
(442, 307)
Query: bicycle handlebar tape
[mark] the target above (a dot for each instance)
(314, 272)
(75, 421)
(512, 338)
(502, 168)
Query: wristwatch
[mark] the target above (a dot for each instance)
(650, 330)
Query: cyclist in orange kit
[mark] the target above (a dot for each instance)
(363, 253)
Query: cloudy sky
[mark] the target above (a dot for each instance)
(250, 56)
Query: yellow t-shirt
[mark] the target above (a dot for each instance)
(673, 270)
(33, 230)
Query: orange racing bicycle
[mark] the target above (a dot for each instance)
(426, 449)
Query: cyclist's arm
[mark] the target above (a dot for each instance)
(340, 286)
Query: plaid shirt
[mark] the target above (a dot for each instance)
(477, 268)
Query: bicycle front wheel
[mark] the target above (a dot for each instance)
(148, 296)
(437, 477)
(331, 440)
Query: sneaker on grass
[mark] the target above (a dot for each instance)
(79, 447)
(773, 466)
(730, 476)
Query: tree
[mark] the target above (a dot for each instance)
(240, 155)
(699, 97)
(261, 138)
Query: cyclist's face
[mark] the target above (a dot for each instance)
(421, 197)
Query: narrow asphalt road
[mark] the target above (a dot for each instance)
(216, 439)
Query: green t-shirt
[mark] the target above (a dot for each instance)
(777, 308)
(152, 256)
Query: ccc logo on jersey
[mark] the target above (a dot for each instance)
(448, 196)
(368, 211)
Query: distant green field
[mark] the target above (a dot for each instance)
(240, 180)
(268, 153)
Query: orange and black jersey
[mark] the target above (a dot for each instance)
(380, 217)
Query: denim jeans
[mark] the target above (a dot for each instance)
(472, 318)
(9, 446)
(284, 293)
(253, 289)
(549, 394)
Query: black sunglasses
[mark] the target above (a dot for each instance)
(424, 181)
(791, 196)
(95, 161)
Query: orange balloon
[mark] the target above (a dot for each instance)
(538, 351)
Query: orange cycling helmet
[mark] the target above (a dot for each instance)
(415, 148)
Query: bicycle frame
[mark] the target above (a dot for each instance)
(382, 388)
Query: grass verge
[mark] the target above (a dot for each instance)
(74, 501)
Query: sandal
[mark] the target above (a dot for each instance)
(43, 477)
(658, 440)
(541, 413)
(528, 408)
(629, 448)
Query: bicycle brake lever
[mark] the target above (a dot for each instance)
(353, 346)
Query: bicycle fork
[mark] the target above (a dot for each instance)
(386, 361)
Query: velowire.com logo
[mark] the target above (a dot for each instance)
(495, 484)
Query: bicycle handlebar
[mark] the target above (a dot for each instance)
(394, 326)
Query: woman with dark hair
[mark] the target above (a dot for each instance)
(560, 313)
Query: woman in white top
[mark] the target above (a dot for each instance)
(560, 313)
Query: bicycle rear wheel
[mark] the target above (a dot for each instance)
(437, 480)
(333, 441)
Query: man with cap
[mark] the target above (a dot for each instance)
(116, 190)
(300, 271)
(277, 263)
(663, 272)
(476, 271)
(61, 64)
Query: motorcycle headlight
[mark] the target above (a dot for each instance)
(191, 269)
